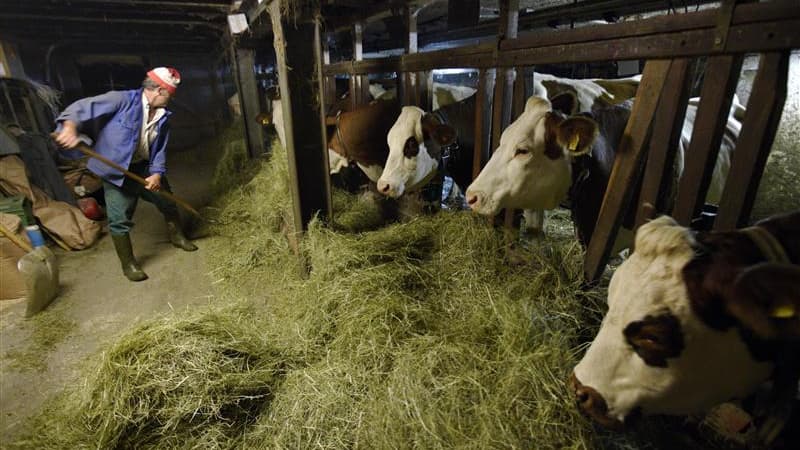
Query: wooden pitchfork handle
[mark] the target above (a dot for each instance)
(88, 151)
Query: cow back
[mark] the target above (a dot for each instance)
(360, 135)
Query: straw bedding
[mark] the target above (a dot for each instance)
(423, 334)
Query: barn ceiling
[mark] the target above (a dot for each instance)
(179, 25)
(201, 25)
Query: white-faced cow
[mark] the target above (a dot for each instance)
(694, 320)
(419, 142)
(417, 138)
(546, 157)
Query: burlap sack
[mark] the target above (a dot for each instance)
(61, 219)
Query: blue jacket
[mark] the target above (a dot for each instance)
(114, 121)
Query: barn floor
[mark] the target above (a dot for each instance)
(41, 355)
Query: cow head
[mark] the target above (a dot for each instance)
(677, 339)
(414, 141)
(531, 169)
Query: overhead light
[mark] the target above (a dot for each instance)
(237, 23)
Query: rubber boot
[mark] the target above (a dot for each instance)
(131, 269)
(177, 238)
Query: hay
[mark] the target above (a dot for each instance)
(421, 334)
(46, 330)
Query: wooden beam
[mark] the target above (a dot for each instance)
(247, 89)
(667, 126)
(149, 4)
(111, 19)
(359, 84)
(626, 168)
(755, 27)
(721, 75)
(483, 120)
(755, 141)
(305, 145)
(409, 91)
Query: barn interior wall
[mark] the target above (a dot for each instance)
(199, 107)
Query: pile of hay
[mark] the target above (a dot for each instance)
(421, 334)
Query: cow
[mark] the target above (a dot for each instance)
(353, 135)
(546, 157)
(416, 139)
(419, 142)
(696, 319)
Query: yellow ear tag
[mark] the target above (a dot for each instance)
(786, 311)
(573, 142)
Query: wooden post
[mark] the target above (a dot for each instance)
(755, 141)
(722, 73)
(504, 85)
(483, 120)
(359, 84)
(329, 87)
(503, 88)
(300, 100)
(248, 99)
(409, 83)
(664, 142)
(626, 168)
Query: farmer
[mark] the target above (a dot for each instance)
(131, 129)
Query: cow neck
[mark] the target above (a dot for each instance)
(721, 256)
(768, 244)
(340, 137)
(446, 152)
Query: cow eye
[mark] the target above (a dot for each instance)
(521, 151)
(411, 149)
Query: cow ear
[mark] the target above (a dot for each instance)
(566, 102)
(264, 119)
(535, 102)
(577, 134)
(441, 133)
(766, 299)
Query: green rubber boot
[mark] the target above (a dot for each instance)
(131, 269)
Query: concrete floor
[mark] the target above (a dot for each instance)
(100, 304)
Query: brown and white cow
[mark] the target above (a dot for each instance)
(546, 157)
(416, 142)
(357, 135)
(694, 320)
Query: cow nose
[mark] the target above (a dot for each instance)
(591, 403)
(473, 200)
(383, 187)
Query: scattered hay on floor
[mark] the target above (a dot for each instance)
(46, 330)
(421, 334)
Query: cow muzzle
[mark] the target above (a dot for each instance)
(474, 200)
(593, 405)
(389, 189)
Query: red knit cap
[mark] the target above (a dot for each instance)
(166, 77)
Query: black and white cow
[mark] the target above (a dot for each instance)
(694, 320)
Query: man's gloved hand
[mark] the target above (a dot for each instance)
(153, 182)
(68, 136)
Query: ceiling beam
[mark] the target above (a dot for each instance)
(39, 18)
(205, 5)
